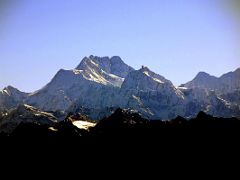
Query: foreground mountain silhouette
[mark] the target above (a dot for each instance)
(125, 127)
(100, 85)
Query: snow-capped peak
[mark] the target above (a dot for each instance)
(113, 65)
(99, 84)
(202, 75)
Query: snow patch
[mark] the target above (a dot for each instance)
(182, 88)
(158, 80)
(155, 79)
(84, 124)
(76, 71)
(5, 91)
(95, 64)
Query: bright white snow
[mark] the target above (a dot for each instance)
(84, 124)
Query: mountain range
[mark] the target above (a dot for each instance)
(100, 85)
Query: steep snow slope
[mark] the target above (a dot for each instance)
(90, 85)
(113, 65)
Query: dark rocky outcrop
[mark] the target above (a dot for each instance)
(125, 129)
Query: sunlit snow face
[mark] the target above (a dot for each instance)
(83, 124)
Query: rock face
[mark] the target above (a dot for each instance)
(227, 83)
(25, 114)
(114, 65)
(126, 128)
(100, 85)
(216, 96)
(210, 102)
(10, 97)
(151, 95)
(146, 80)
(92, 84)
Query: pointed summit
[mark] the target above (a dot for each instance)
(202, 75)
(116, 59)
(146, 80)
(227, 83)
(202, 80)
(144, 68)
(14, 93)
(203, 116)
(10, 88)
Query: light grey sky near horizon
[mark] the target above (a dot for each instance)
(176, 38)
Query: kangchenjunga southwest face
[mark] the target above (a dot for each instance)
(100, 85)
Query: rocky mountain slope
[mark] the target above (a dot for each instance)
(113, 65)
(151, 95)
(100, 85)
(92, 85)
(10, 97)
(227, 83)
(27, 114)
(124, 126)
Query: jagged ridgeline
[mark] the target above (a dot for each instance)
(29, 122)
(100, 85)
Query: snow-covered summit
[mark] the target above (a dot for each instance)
(92, 83)
(113, 65)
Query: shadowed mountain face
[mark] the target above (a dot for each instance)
(10, 97)
(227, 83)
(100, 85)
(25, 114)
(128, 129)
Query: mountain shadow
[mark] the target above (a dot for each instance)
(125, 129)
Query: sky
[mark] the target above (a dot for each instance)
(176, 38)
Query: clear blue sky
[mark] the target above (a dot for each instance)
(175, 38)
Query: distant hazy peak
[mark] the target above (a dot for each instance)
(237, 70)
(232, 73)
(116, 58)
(227, 83)
(10, 88)
(204, 75)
